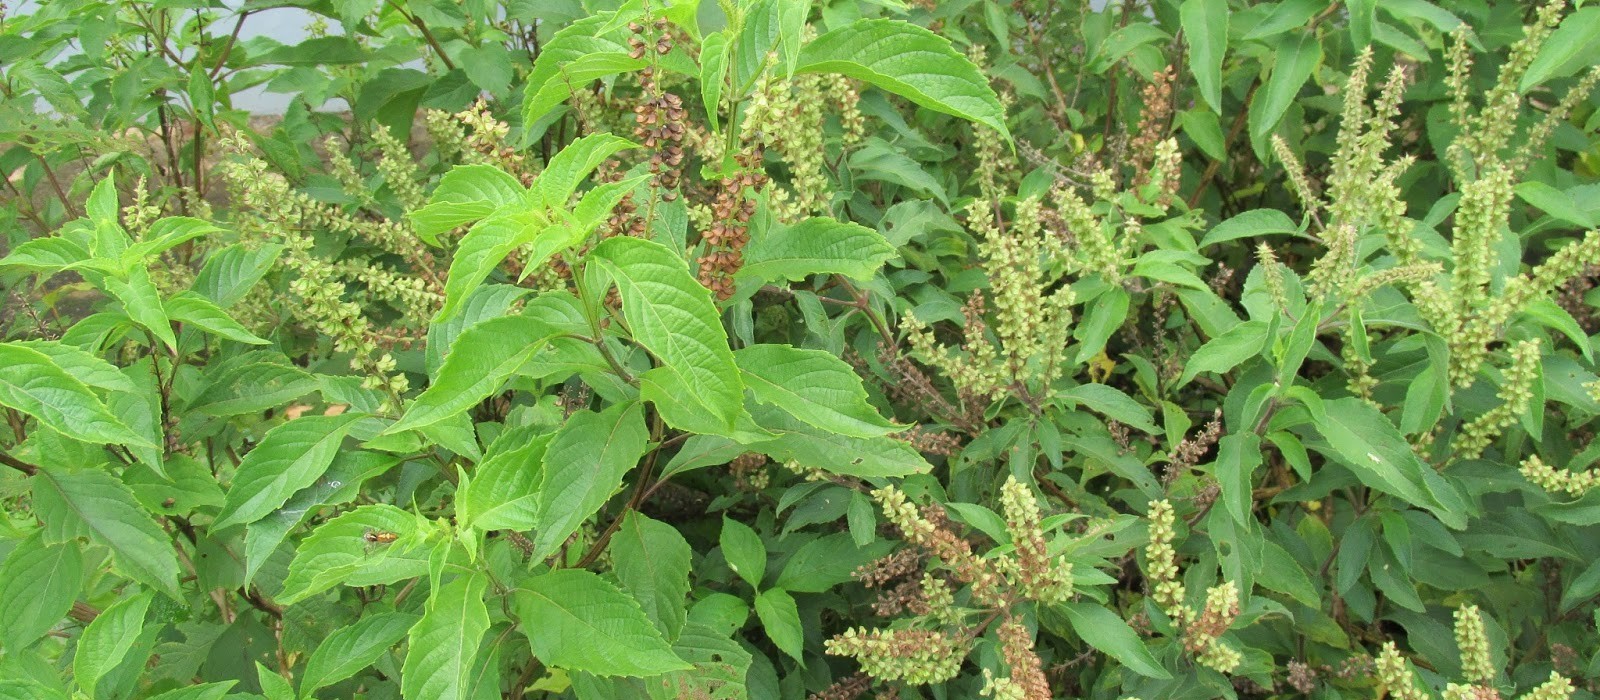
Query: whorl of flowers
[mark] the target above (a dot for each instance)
(1203, 637)
(913, 656)
(1394, 673)
(1473, 642)
(1038, 576)
(1161, 567)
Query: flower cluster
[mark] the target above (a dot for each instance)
(1161, 567)
(1025, 679)
(1032, 569)
(914, 656)
(729, 229)
(660, 115)
(1394, 672)
(1558, 480)
(1516, 395)
(1203, 636)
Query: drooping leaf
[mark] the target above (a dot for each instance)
(482, 250)
(466, 194)
(1572, 47)
(289, 458)
(196, 310)
(1295, 58)
(444, 643)
(587, 624)
(504, 492)
(337, 552)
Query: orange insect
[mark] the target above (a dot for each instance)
(379, 537)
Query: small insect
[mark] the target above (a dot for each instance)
(379, 537)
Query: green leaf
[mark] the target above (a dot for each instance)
(652, 561)
(204, 691)
(1256, 222)
(583, 467)
(196, 310)
(781, 619)
(1113, 404)
(166, 234)
(1238, 455)
(94, 504)
(466, 194)
(488, 243)
(721, 666)
(744, 552)
(586, 624)
(107, 640)
(1104, 316)
(814, 386)
(231, 272)
(839, 454)
(568, 169)
(31, 382)
(290, 457)
(1376, 452)
(672, 316)
(324, 50)
(444, 643)
(713, 75)
(339, 484)
(1296, 56)
(1226, 351)
(83, 366)
(478, 364)
(38, 583)
(1572, 47)
(828, 561)
(1554, 202)
(504, 492)
(142, 302)
(1205, 26)
(337, 553)
(908, 61)
(350, 649)
(584, 51)
(818, 245)
(1105, 630)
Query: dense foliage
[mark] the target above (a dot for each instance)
(786, 349)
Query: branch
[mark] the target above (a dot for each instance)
(19, 465)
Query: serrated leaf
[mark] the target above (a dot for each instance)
(290, 457)
(339, 484)
(231, 272)
(586, 624)
(166, 233)
(38, 583)
(908, 61)
(673, 317)
(504, 492)
(1113, 404)
(444, 643)
(720, 668)
(815, 246)
(478, 364)
(196, 310)
(94, 504)
(1105, 630)
(583, 467)
(1375, 451)
(203, 691)
(828, 561)
(652, 561)
(781, 619)
(31, 382)
(814, 386)
(1205, 26)
(108, 639)
(84, 366)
